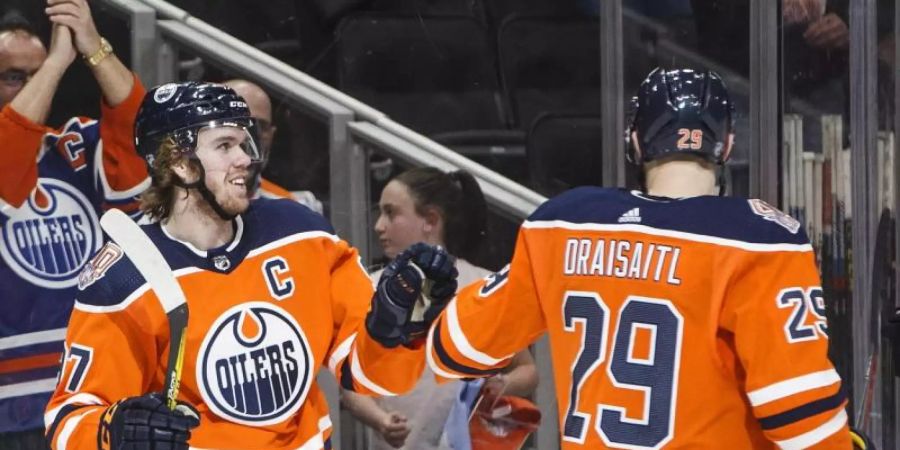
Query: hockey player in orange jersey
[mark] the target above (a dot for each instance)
(677, 318)
(274, 295)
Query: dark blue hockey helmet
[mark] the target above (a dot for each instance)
(681, 111)
(180, 110)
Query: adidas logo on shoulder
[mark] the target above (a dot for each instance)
(631, 216)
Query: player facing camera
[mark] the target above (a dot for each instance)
(198, 136)
(274, 297)
(684, 117)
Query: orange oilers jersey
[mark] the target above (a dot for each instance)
(283, 299)
(673, 324)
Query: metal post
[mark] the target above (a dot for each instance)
(547, 435)
(863, 168)
(145, 45)
(895, 424)
(612, 93)
(166, 60)
(765, 126)
(349, 183)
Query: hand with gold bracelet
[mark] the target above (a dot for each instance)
(76, 14)
(114, 78)
(97, 57)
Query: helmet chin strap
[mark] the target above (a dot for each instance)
(200, 186)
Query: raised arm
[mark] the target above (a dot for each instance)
(33, 101)
(114, 78)
(22, 126)
(123, 173)
(378, 350)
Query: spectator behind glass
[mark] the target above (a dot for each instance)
(54, 185)
(446, 209)
(261, 108)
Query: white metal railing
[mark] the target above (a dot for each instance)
(336, 107)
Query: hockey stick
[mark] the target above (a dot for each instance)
(880, 294)
(153, 267)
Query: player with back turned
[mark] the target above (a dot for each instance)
(273, 295)
(677, 318)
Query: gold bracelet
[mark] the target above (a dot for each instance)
(101, 53)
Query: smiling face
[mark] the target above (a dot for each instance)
(399, 225)
(227, 166)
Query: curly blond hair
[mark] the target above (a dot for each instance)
(157, 201)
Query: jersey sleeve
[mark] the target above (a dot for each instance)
(119, 173)
(122, 172)
(22, 140)
(775, 310)
(488, 322)
(359, 362)
(111, 353)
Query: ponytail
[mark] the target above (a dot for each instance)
(472, 217)
(460, 202)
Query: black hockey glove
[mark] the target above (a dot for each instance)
(412, 291)
(145, 423)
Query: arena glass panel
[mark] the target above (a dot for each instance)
(699, 35)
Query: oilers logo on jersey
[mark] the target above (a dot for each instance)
(255, 365)
(49, 238)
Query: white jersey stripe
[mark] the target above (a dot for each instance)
(429, 356)
(749, 246)
(324, 422)
(37, 337)
(462, 343)
(69, 428)
(793, 386)
(292, 238)
(340, 353)
(28, 388)
(81, 397)
(360, 376)
(813, 437)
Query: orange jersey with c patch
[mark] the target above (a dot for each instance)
(284, 298)
(691, 323)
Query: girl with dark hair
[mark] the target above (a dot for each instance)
(425, 204)
(447, 209)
